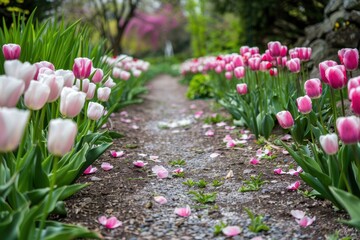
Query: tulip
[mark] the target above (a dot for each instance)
(12, 125)
(124, 75)
(304, 54)
(329, 143)
(82, 67)
(238, 61)
(45, 71)
(304, 104)
(183, 212)
(341, 53)
(313, 88)
(322, 68)
(355, 103)
(36, 95)
(23, 71)
(239, 72)
(273, 71)
(95, 111)
(61, 136)
(254, 63)
(11, 90)
(241, 88)
(229, 67)
(110, 83)
(283, 51)
(98, 75)
(348, 129)
(84, 84)
(274, 48)
(228, 75)
(285, 119)
(91, 91)
(11, 51)
(254, 50)
(67, 75)
(293, 53)
(55, 84)
(218, 69)
(42, 64)
(293, 65)
(264, 66)
(103, 94)
(336, 76)
(244, 49)
(71, 102)
(136, 72)
(351, 59)
(266, 56)
(352, 84)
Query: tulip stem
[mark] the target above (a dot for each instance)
(311, 132)
(49, 202)
(298, 86)
(332, 96)
(342, 102)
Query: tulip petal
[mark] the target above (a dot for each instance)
(183, 212)
(106, 166)
(231, 231)
(297, 214)
(160, 199)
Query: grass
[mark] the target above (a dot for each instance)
(254, 184)
(179, 162)
(217, 183)
(189, 183)
(257, 223)
(203, 198)
(202, 183)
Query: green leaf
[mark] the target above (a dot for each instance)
(267, 125)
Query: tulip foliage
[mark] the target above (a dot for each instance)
(54, 99)
(260, 89)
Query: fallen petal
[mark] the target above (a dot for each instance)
(198, 114)
(106, 166)
(135, 127)
(286, 137)
(112, 223)
(160, 171)
(124, 114)
(230, 127)
(214, 155)
(294, 186)
(230, 144)
(254, 161)
(178, 170)
(297, 214)
(206, 126)
(90, 169)
(183, 212)
(192, 106)
(153, 158)
(305, 221)
(221, 124)
(279, 171)
(231, 231)
(210, 133)
(160, 199)
(230, 174)
(139, 164)
(102, 220)
(227, 138)
(116, 154)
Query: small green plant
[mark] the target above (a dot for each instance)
(256, 224)
(214, 119)
(179, 162)
(179, 174)
(254, 184)
(202, 183)
(204, 198)
(308, 194)
(260, 141)
(335, 236)
(199, 87)
(270, 157)
(189, 183)
(217, 183)
(219, 227)
(131, 146)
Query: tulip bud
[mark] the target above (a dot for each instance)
(67, 75)
(36, 95)
(254, 63)
(336, 76)
(23, 71)
(91, 91)
(13, 122)
(352, 84)
(274, 48)
(103, 94)
(98, 75)
(329, 143)
(42, 64)
(313, 88)
(283, 51)
(264, 66)
(285, 119)
(238, 61)
(95, 111)
(11, 90)
(11, 51)
(304, 54)
(55, 84)
(355, 103)
(82, 67)
(273, 71)
(293, 65)
(124, 75)
(254, 50)
(239, 72)
(61, 136)
(136, 72)
(348, 129)
(323, 66)
(244, 49)
(241, 88)
(304, 104)
(293, 53)
(71, 102)
(109, 83)
(351, 59)
(228, 75)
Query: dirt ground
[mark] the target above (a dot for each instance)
(127, 192)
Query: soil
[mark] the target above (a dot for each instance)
(127, 192)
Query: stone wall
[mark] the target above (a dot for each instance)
(340, 28)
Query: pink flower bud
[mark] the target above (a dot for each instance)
(274, 48)
(264, 66)
(98, 75)
(82, 67)
(67, 75)
(23, 71)
(228, 75)
(273, 71)
(11, 90)
(61, 136)
(103, 94)
(351, 59)
(285, 119)
(254, 50)
(348, 129)
(329, 143)
(238, 61)
(283, 51)
(42, 64)
(313, 88)
(322, 68)
(355, 103)
(336, 76)
(13, 122)
(254, 63)
(36, 95)
(304, 104)
(55, 83)
(293, 53)
(71, 102)
(124, 75)
(95, 111)
(241, 88)
(229, 67)
(352, 84)
(244, 49)
(11, 51)
(110, 83)
(239, 72)
(304, 53)
(91, 91)
(293, 65)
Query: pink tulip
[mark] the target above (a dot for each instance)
(329, 143)
(254, 161)
(241, 88)
(304, 54)
(36, 95)
(323, 66)
(273, 71)
(352, 84)
(11, 51)
(348, 129)
(71, 102)
(283, 51)
(89, 170)
(12, 125)
(110, 83)
(183, 212)
(160, 171)
(254, 50)
(350, 59)
(238, 61)
(264, 66)
(42, 64)
(23, 71)
(293, 187)
(55, 84)
(313, 88)
(293, 53)
(117, 154)
(90, 91)
(61, 136)
(341, 53)
(267, 56)
(103, 94)
(336, 76)
(285, 119)
(229, 67)
(11, 90)
(106, 166)
(304, 104)
(67, 75)
(228, 75)
(97, 75)
(254, 63)
(124, 75)
(95, 111)
(85, 83)
(45, 71)
(136, 72)
(355, 103)
(244, 49)
(82, 67)
(274, 48)
(293, 65)
(160, 199)
(239, 72)
(139, 164)
(110, 223)
(231, 231)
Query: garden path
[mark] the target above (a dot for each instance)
(127, 192)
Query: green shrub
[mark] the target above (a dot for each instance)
(199, 87)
